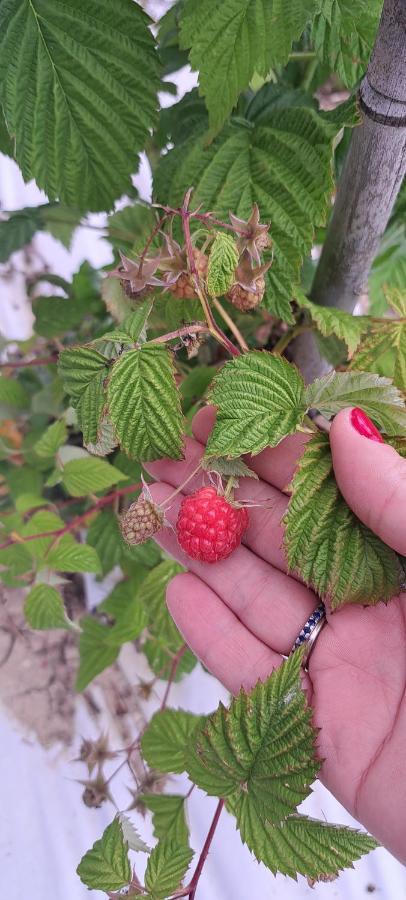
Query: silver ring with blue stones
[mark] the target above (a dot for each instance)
(310, 631)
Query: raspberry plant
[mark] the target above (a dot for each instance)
(208, 299)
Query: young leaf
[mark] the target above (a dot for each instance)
(167, 866)
(133, 327)
(325, 542)
(299, 845)
(131, 835)
(343, 34)
(52, 439)
(259, 400)
(165, 740)
(44, 608)
(376, 396)
(106, 867)
(230, 468)
(95, 650)
(83, 371)
(262, 746)
(230, 40)
(87, 476)
(222, 263)
(83, 72)
(168, 816)
(329, 320)
(144, 404)
(283, 164)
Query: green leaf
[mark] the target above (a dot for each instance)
(283, 165)
(83, 71)
(384, 349)
(16, 231)
(104, 535)
(131, 835)
(299, 845)
(106, 440)
(325, 542)
(397, 300)
(23, 480)
(69, 556)
(133, 328)
(14, 562)
(165, 640)
(276, 96)
(329, 320)
(376, 396)
(83, 371)
(95, 651)
(52, 439)
(222, 263)
(259, 400)
(26, 502)
(44, 608)
(145, 405)
(165, 740)
(167, 866)
(344, 33)
(230, 40)
(195, 385)
(86, 476)
(168, 816)
(124, 604)
(262, 746)
(6, 141)
(106, 867)
(12, 393)
(230, 468)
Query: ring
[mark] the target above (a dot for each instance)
(310, 631)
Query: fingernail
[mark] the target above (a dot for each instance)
(364, 426)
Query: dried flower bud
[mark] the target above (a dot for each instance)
(246, 300)
(142, 519)
(96, 792)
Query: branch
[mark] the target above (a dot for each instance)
(174, 667)
(190, 890)
(77, 521)
(373, 173)
(22, 364)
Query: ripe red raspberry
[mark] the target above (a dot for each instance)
(209, 528)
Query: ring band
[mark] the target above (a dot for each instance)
(310, 631)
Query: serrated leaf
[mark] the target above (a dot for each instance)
(283, 165)
(230, 40)
(165, 740)
(168, 816)
(83, 371)
(344, 33)
(26, 502)
(52, 439)
(165, 640)
(259, 400)
(377, 396)
(69, 556)
(230, 468)
(299, 845)
(12, 393)
(23, 480)
(397, 300)
(44, 608)
(262, 746)
(130, 834)
(106, 440)
(96, 653)
(194, 386)
(144, 404)
(133, 327)
(384, 350)
(167, 866)
(221, 265)
(84, 71)
(325, 542)
(16, 231)
(106, 866)
(104, 535)
(6, 141)
(125, 606)
(87, 476)
(330, 320)
(14, 562)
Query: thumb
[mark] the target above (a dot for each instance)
(371, 476)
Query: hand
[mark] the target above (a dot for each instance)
(240, 615)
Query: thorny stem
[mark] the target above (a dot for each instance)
(190, 890)
(232, 326)
(213, 327)
(77, 521)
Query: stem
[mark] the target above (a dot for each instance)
(77, 521)
(21, 364)
(372, 176)
(199, 328)
(181, 486)
(175, 663)
(154, 232)
(302, 54)
(190, 890)
(232, 326)
(289, 336)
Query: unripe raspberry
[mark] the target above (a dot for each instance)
(209, 527)
(141, 521)
(184, 286)
(244, 299)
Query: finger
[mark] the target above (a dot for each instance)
(269, 603)
(372, 478)
(216, 636)
(275, 465)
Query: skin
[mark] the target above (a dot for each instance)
(241, 614)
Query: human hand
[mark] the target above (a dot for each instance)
(241, 614)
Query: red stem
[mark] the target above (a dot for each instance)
(21, 364)
(190, 890)
(175, 662)
(150, 239)
(77, 521)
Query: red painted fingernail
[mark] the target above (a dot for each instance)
(364, 426)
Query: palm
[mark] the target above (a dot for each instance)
(240, 615)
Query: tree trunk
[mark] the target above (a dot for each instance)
(372, 176)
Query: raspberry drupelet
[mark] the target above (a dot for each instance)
(209, 527)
